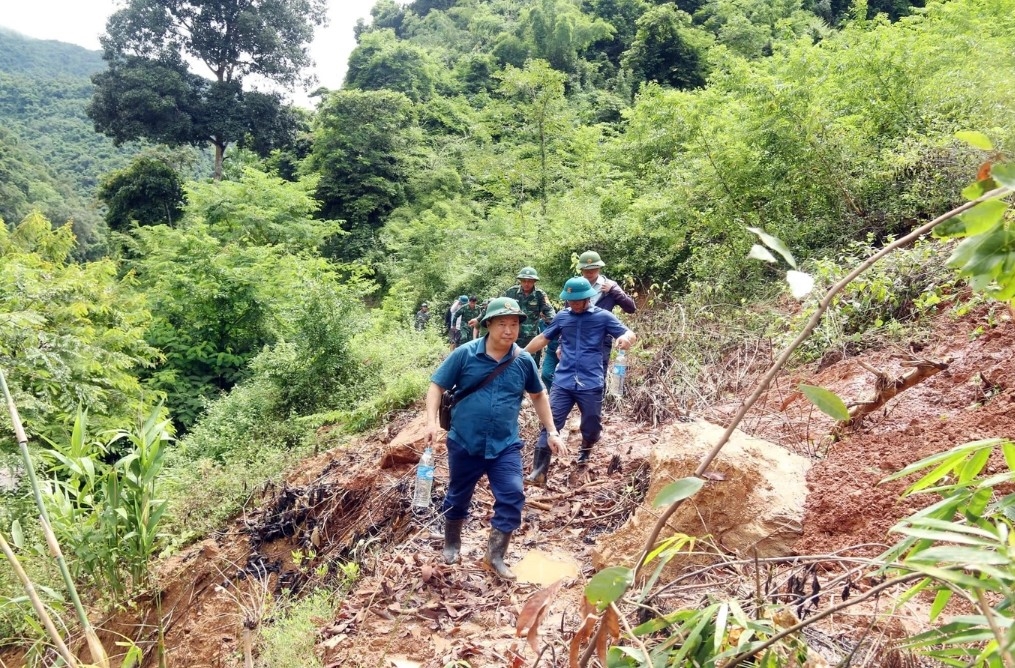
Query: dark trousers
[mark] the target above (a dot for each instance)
(504, 473)
(590, 405)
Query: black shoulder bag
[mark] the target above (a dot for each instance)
(449, 397)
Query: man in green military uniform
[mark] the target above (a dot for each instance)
(467, 314)
(533, 302)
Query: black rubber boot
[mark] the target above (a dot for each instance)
(584, 452)
(452, 540)
(495, 554)
(540, 467)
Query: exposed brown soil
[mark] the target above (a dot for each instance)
(409, 609)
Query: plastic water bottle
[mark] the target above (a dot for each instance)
(618, 373)
(424, 480)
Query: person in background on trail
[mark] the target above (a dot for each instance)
(422, 316)
(534, 302)
(467, 314)
(580, 378)
(484, 429)
(453, 332)
(609, 294)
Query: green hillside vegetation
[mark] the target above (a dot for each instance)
(474, 137)
(44, 87)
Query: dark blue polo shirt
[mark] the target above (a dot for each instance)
(581, 362)
(486, 421)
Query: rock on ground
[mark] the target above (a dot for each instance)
(753, 497)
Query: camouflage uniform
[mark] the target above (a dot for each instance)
(536, 306)
(467, 313)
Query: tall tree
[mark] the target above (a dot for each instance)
(560, 31)
(363, 144)
(382, 61)
(148, 192)
(148, 90)
(538, 95)
(668, 49)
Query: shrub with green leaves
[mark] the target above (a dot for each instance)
(886, 302)
(290, 639)
(107, 515)
(70, 334)
(961, 544)
(237, 445)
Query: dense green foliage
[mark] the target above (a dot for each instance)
(764, 117)
(103, 500)
(70, 334)
(225, 282)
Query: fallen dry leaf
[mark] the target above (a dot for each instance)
(608, 633)
(533, 611)
(589, 619)
(440, 644)
(517, 661)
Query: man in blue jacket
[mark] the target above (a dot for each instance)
(580, 376)
(484, 439)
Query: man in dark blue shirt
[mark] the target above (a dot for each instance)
(484, 428)
(580, 376)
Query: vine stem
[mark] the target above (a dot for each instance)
(812, 323)
(630, 632)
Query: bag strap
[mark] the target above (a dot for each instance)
(486, 381)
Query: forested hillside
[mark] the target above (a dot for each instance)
(504, 134)
(211, 333)
(53, 159)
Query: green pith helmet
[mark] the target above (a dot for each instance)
(463, 299)
(590, 260)
(527, 272)
(504, 306)
(577, 289)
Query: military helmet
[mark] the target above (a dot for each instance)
(503, 306)
(590, 260)
(424, 304)
(577, 289)
(463, 299)
(528, 272)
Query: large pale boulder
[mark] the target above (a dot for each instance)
(753, 498)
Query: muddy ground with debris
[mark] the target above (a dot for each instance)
(409, 609)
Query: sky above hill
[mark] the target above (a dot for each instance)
(82, 21)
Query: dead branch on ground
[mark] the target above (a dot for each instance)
(887, 388)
